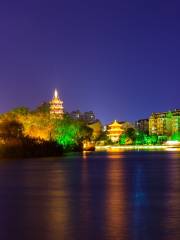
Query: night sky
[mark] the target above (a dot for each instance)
(120, 59)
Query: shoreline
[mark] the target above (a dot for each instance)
(135, 147)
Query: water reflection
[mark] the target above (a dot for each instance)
(58, 207)
(126, 195)
(36, 204)
(115, 202)
(86, 196)
(172, 218)
(140, 202)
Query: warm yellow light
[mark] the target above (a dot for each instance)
(55, 93)
(172, 143)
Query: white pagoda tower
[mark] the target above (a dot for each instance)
(56, 106)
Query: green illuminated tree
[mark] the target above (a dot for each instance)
(154, 139)
(125, 140)
(176, 136)
(128, 137)
(140, 138)
(70, 133)
(131, 133)
(150, 140)
(122, 139)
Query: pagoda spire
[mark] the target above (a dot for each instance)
(56, 106)
(56, 95)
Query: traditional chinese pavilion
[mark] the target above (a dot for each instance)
(114, 131)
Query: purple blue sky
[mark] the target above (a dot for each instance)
(120, 59)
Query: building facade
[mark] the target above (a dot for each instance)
(56, 106)
(88, 117)
(142, 125)
(76, 115)
(165, 123)
(114, 131)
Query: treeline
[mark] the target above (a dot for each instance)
(29, 147)
(132, 136)
(25, 133)
(135, 137)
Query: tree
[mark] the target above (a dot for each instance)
(122, 139)
(176, 136)
(37, 125)
(154, 139)
(128, 137)
(131, 133)
(43, 108)
(20, 111)
(140, 138)
(96, 129)
(11, 129)
(70, 133)
(162, 139)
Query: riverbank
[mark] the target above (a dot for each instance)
(136, 147)
(28, 148)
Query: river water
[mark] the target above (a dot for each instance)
(125, 195)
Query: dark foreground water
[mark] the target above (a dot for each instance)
(126, 196)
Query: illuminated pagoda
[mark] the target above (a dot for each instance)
(56, 106)
(114, 131)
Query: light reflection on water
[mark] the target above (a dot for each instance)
(125, 195)
(115, 202)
